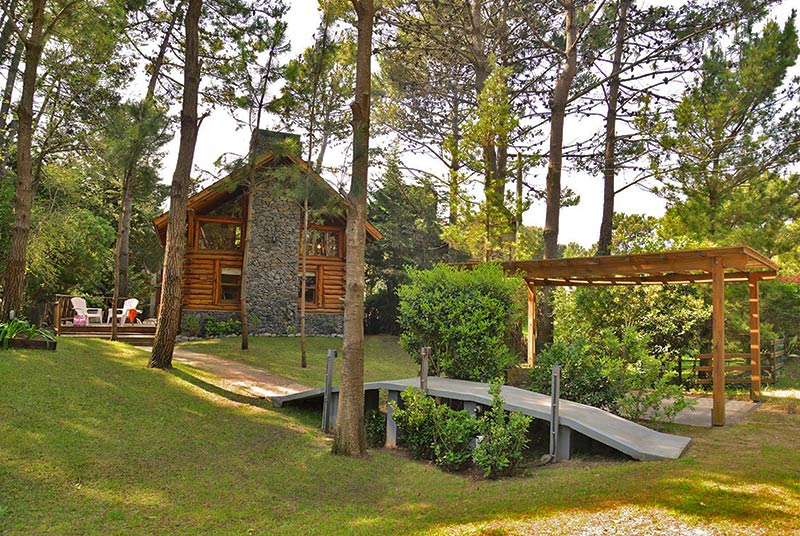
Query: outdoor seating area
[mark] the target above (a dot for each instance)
(75, 312)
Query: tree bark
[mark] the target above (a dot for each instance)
(23, 198)
(350, 437)
(121, 250)
(8, 91)
(169, 323)
(248, 232)
(609, 168)
(158, 62)
(553, 187)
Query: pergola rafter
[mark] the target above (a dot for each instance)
(716, 266)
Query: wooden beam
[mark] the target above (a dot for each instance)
(755, 340)
(718, 341)
(531, 324)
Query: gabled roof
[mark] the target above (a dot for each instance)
(222, 187)
(684, 266)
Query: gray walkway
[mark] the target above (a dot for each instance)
(239, 377)
(700, 415)
(635, 440)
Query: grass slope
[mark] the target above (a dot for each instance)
(92, 442)
(383, 360)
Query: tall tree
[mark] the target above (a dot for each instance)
(720, 155)
(169, 324)
(609, 160)
(350, 437)
(137, 131)
(256, 85)
(34, 41)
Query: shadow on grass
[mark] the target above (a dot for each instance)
(219, 391)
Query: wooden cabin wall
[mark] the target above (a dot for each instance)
(201, 270)
(330, 281)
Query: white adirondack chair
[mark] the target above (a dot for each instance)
(122, 314)
(79, 304)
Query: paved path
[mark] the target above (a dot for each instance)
(700, 415)
(245, 379)
(633, 439)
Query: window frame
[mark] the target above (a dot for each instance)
(317, 303)
(340, 243)
(199, 220)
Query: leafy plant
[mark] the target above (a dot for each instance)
(467, 317)
(417, 421)
(375, 422)
(220, 328)
(503, 437)
(19, 328)
(192, 325)
(614, 373)
(434, 431)
(453, 435)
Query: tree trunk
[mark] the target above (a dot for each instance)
(169, 323)
(23, 198)
(303, 281)
(158, 63)
(553, 187)
(8, 91)
(350, 438)
(121, 249)
(609, 169)
(248, 232)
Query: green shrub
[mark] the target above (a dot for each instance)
(220, 328)
(586, 376)
(417, 421)
(435, 432)
(616, 374)
(192, 325)
(375, 422)
(454, 431)
(503, 437)
(467, 317)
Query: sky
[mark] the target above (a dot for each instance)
(218, 135)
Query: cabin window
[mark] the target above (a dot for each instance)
(311, 287)
(230, 285)
(321, 243)
(217, 235)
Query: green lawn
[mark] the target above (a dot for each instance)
(383, 359)
(92, 442)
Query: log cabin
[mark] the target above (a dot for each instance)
(217, 222)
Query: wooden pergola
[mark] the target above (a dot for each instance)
(713, 265)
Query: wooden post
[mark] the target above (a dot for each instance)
(531, 324)
(755, 339)
(718, 341)
(57, 316)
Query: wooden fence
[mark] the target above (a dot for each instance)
(737, 366)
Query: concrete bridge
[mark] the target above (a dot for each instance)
(577, 422)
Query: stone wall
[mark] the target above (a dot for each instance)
(272, 271)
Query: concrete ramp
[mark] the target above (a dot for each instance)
(576, 421)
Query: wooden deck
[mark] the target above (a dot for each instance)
(135, 334)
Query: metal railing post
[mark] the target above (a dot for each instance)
(326, 401)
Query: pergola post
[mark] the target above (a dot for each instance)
(755, 339)
(718, 341)
(531, 323)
